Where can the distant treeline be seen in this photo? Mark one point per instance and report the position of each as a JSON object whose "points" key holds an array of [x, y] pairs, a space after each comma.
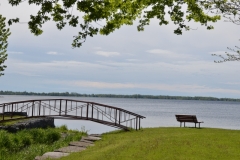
{"points": [[73, 94]]}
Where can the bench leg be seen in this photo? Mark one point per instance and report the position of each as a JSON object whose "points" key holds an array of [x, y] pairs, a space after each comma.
{"points": [[199, 125], [195, 125], [180, 124], [184, 124]]}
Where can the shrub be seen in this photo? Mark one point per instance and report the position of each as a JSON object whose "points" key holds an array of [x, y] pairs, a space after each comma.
{"points": [[63, 128], [5, 141], [27, 144], [38, 135], [52, 136]]}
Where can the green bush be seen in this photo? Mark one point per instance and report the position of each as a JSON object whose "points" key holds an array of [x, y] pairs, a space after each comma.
{"points": [[38, 135], [3, 153], [5, 141], [63, 128], [27, 144], [26, 140], [52, 136]]}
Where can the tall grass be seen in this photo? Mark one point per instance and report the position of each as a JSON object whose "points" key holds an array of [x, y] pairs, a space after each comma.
{"points": [[26, 144]]}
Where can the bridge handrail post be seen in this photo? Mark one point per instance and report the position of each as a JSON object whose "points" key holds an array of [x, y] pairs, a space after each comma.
{"points": [[3, 111], [66, 108], [119, 117], [60, 107], [115, 116], [92, 111], [87, 110], [32, 107], [12, 111], [39, 109]]}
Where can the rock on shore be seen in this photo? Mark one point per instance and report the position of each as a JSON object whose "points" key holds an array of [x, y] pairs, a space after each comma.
{"points": [[42, 122]]}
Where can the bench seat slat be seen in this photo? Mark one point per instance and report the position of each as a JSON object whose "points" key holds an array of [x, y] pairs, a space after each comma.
{"points": [[187, 120]]}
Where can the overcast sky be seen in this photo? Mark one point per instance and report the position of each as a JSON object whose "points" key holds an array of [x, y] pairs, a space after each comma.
{"points": [[155, 61]]}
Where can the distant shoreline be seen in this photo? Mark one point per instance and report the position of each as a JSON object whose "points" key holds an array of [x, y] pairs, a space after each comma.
{"points": [[136, 96]]}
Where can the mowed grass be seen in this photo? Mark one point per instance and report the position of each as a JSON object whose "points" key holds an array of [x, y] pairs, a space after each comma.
{"points": [[164, 144]]}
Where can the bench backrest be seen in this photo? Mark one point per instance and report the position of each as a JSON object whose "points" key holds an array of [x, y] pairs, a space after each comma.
{"points": [[186, 118]]}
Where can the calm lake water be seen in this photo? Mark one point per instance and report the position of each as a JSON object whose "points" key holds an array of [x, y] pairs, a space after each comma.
{"points": [[158, 112]]}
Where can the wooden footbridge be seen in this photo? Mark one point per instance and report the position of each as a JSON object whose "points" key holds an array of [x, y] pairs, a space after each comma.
{"points": [[71, 109]]}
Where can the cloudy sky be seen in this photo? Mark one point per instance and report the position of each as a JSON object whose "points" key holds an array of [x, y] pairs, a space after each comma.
{"points": [[155, 61]]}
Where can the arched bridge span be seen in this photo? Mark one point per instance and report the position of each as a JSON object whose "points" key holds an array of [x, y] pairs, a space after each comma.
{"points": [[72, 109]]}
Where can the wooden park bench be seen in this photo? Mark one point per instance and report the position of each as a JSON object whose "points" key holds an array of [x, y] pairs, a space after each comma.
{"points": [[187, 118]]}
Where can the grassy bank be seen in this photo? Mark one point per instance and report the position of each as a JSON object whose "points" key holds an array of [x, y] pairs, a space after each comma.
{"points": [[11, 122], [165, 143], [27, 144]]}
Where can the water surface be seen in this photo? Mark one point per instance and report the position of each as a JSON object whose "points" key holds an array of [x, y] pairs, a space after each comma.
{"points": [[158, 112]]}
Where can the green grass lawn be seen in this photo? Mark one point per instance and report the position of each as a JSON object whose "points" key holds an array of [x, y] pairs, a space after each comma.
{"points": [[165, 144]]}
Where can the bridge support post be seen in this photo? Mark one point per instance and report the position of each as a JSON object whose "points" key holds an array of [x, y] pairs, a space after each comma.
{"points": [[136, 123], [139, 123]]}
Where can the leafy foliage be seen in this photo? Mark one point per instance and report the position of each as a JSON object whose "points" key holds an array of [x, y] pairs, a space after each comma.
{"points": [[4, 34], [114, 14], [231, 11], [229, 8]]}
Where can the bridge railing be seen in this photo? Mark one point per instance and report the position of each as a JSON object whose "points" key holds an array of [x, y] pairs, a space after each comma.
{"points": [[73, 109]]}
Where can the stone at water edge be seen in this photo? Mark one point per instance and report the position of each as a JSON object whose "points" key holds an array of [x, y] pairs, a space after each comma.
{"points": [[53, 155], [70, 149], [95, 135], [90, 138], [86, 141], [80, 144]]}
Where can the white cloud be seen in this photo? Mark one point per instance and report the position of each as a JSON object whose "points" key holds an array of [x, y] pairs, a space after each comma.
{"points": [[97, 48], [217, 52], [191, 88], [27, 74], [169, 54], [232, 83], [182, 69], [107, 54], [56, 67], [13, 52], [133, 60], [160, 52], [52, 53]]}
